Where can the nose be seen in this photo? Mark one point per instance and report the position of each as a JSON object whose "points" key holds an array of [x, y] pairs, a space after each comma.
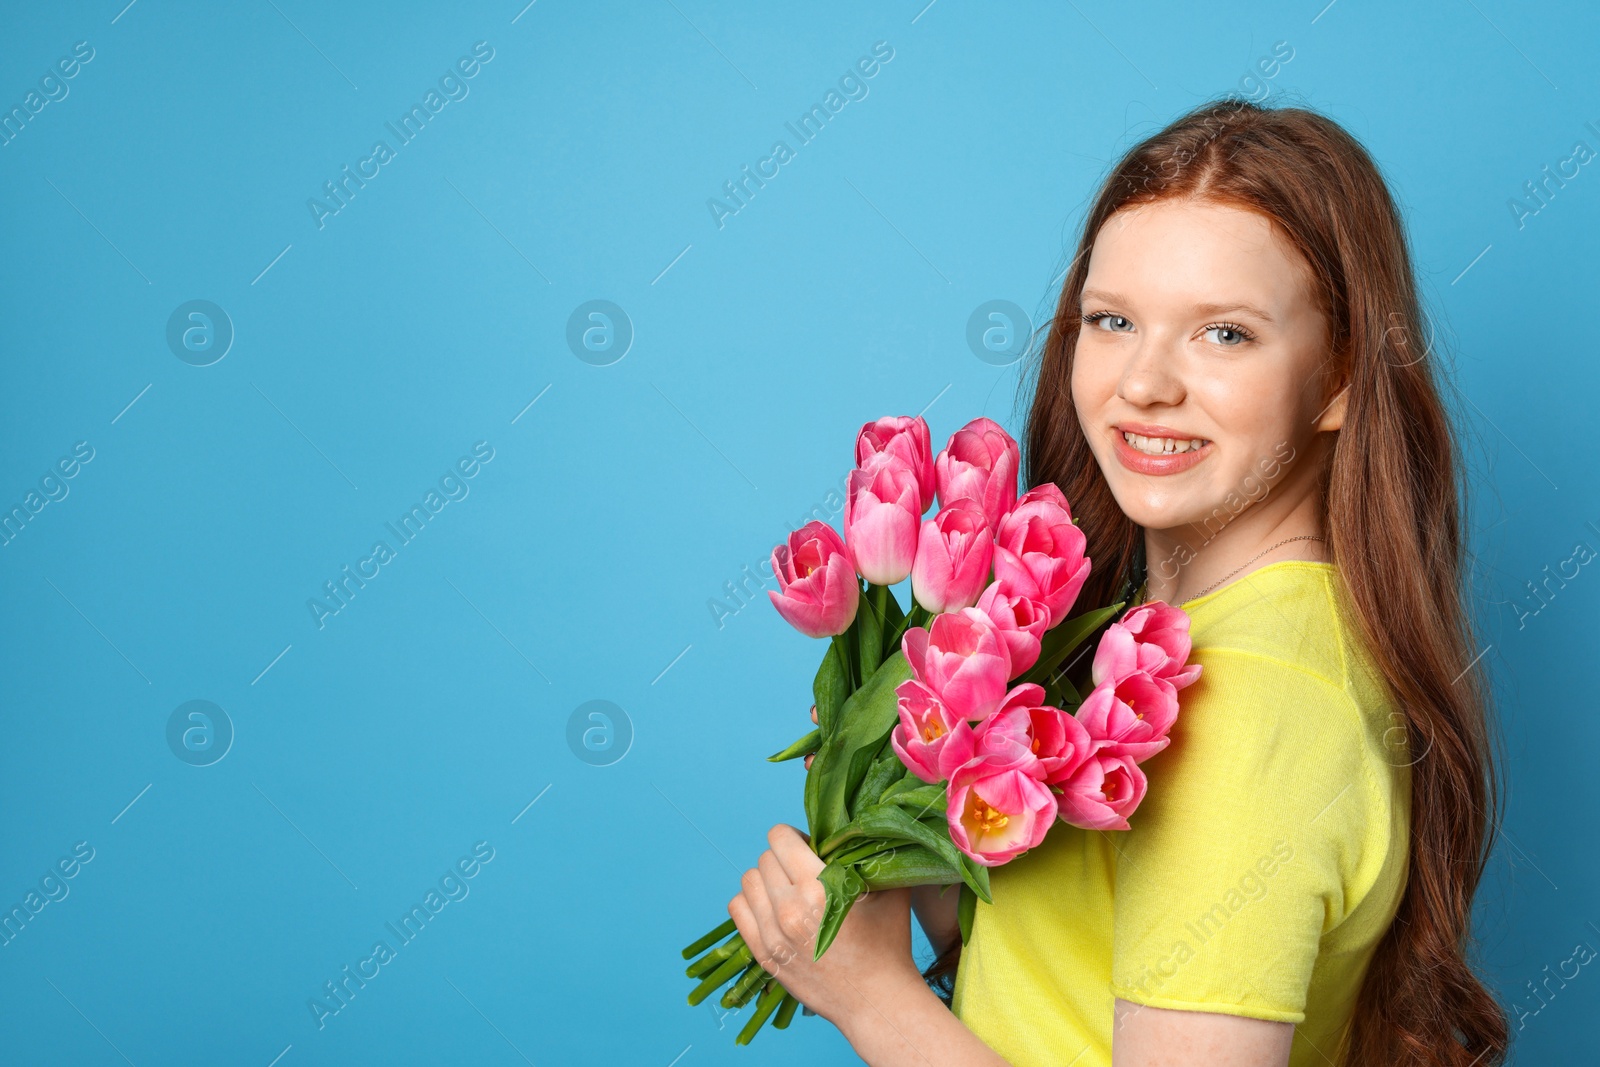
{"points": [[1150, 378]]}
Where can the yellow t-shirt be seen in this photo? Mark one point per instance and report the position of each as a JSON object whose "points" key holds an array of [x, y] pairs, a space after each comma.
{"points": [[1259, 872]]}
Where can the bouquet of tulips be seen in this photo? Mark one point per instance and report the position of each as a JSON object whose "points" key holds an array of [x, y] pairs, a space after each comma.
{"points": [[950, 738]]}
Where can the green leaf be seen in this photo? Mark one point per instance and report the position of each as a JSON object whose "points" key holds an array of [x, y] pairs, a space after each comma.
{"points": [[921, 800], [843, 887], [910, 781], [975, 876], [885, 770], [906, 865], [893, 823], [1060, 692], [860, 762], [831, 687], [859, 850], [1059, 642], [802, 747], [966, 908], [863, 720]]}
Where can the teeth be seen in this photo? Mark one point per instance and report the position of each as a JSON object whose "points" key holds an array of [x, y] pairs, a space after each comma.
{"points": [[1162, 446]]}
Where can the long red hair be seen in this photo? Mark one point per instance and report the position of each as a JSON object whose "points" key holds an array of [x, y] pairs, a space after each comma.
{"points": [[1392, 482]]}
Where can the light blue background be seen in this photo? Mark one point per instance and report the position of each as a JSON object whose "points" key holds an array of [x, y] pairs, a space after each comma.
{"points": [[432, 309]]}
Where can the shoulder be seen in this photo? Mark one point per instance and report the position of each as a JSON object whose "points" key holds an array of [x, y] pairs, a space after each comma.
{"points": [[1271, 816], [1286, 612], [1285, 625], [1287, 735]]}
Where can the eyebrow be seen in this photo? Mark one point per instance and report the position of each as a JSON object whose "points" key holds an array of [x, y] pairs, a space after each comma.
{"points": [[1204, 309]]}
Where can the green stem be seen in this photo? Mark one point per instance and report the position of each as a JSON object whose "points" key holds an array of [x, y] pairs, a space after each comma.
{"points": [[716, 978], [739, 994], [715, 957], [878, 598], [785, 1012], [842, 643], [918, 616], [710, 939], [764, 1007]]}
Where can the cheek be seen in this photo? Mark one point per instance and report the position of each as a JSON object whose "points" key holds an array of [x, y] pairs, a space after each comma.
{"points": [[1246, 408], [1094, 382]]}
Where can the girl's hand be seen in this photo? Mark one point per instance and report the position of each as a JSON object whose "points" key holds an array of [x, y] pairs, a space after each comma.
{"points": [[813, 719], [779, 910]]}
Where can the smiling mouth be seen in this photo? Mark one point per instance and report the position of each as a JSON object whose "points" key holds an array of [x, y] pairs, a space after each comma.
{"points": [[1163, 446]]}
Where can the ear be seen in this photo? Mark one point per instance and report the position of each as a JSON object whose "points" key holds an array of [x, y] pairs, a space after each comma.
{"points": [[1332, 417]]}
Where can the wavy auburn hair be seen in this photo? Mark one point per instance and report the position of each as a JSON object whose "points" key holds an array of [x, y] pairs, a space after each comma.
{"points": [[1392, 482]]}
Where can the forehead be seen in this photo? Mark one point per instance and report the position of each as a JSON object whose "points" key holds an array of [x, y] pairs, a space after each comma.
{"points": [[1187, 252]]}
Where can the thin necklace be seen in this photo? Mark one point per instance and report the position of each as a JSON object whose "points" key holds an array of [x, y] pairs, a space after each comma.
{"points": [[1252, 559]]}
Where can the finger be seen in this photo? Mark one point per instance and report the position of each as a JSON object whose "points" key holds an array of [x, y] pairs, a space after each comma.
{"points": [[795, 915], [775, 880], [808, 762], [792, 850], [743, 918], [813, 713], [760, 903]]}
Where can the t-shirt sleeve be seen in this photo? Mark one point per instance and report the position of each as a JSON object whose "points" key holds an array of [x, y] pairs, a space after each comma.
{"points": [[1242, 853]]}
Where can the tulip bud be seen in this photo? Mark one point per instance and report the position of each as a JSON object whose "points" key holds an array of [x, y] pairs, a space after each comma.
{"points": [[818, 591]]}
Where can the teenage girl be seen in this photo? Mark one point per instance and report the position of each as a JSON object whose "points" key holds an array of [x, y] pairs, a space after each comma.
{"points": [[1236, 398]]}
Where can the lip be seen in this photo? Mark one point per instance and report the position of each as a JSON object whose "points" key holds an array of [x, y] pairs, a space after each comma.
{"points": [[1142, 463], [1155, 429]]}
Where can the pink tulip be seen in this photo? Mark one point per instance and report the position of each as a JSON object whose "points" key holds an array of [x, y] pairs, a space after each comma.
{"points": [[1038, 552], [906, 437], [979, 462], [1153, 638], [954, 551], [880, 518], [925, 729], [962, 659], [1102, 792], [1021, 620], [1131, 716], [997, 813], [818, 591], [1008, 746], [1025, 734]]}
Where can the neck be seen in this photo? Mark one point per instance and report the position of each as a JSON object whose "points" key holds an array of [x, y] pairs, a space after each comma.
{"points": [[1187, 560]]}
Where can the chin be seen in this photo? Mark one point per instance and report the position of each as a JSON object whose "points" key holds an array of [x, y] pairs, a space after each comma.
{"points": [[1156, 507]]}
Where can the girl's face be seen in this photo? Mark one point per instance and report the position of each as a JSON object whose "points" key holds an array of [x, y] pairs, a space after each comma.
{"points": [[1200, 375]]}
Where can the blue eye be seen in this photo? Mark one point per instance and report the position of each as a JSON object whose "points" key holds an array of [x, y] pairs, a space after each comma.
{"points": [[1119, 323], [1236, 335]]}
